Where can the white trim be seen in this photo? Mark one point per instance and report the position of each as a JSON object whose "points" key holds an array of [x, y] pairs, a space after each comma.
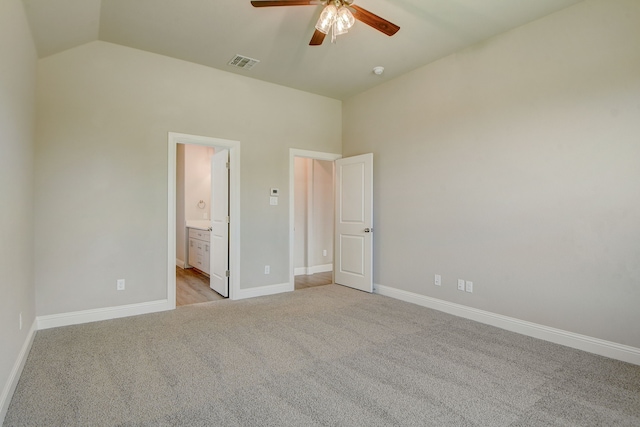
{"points": [[581, 342], [180, 263], [320, 268], [293, 153], [234, 208], [307, 271], [16, 371], [261, 291], [106, 313]]}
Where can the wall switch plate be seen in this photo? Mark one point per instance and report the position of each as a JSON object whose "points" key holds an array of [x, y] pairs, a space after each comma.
{"points": [[469, 286], [437, 280], [120, 285], [20, 317], [267, 269], [460, 285], [324, 252], [273, 201]]}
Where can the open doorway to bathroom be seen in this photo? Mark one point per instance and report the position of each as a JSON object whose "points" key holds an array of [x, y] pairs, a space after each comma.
{"points": [[193, 224], [223, 213]]}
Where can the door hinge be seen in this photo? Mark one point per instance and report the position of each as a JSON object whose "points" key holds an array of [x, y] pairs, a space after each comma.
{"points": [[228, 165], [227, 273], [228, 220]]}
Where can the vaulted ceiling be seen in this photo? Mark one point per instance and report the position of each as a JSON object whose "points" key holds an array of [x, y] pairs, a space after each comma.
{"points": [[211, 32]]}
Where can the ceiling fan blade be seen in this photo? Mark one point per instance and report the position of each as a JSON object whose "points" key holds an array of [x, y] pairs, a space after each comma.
{"points": [[374, 21], [317, 38], [269, 3]]}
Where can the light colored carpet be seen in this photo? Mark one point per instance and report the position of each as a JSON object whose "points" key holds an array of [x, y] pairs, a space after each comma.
{"points": [[321, 356]]}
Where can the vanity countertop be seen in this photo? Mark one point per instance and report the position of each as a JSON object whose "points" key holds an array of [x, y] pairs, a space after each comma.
{"points": [[200, 224]]}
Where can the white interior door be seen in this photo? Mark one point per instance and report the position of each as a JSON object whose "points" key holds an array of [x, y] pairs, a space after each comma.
{"points": [[354, 222], [219, 261]]}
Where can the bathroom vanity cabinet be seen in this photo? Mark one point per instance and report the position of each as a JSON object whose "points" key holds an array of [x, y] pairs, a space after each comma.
{"points": [[199, 249]]}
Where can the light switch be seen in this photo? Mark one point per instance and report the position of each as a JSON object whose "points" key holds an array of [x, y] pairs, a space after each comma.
{"points": [[273, 201]]}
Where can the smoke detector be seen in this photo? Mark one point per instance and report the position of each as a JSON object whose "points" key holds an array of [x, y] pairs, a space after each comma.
{"points": [[378, 70]]}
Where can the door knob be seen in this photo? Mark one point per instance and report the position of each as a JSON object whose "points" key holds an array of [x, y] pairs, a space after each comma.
{"points": [[368, 230]]}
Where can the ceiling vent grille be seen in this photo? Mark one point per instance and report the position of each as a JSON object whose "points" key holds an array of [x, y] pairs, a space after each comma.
{"points": [[243, 62]]}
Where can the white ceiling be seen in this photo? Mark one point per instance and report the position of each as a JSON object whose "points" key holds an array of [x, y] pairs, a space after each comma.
{"points": [[211, 32]]}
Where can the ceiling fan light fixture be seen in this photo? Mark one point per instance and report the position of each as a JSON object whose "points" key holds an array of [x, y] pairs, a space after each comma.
{"points": [[345, 18], [337, 17], [327, 17], [339, 28]]}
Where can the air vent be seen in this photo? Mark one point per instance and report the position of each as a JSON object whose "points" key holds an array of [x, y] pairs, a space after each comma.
{"points": [[243, 62]]}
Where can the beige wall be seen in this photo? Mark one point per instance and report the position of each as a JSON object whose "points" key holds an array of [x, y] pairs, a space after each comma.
{"points": [[197, 183], [17, 121], [323, 213], [101, 168], [515, 164], [300, 187]]}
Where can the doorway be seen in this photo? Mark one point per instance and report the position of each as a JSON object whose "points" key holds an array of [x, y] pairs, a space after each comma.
{"points": [[313, 222], [196, 187], [178, 234], [353, 217], [311, 212]]}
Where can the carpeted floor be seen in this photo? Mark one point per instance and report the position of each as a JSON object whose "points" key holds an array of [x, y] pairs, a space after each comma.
{"points": [[326, 355]]}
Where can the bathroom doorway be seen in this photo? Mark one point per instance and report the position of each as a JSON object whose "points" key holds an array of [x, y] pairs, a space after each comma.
{"points": [[200, 168], [194, 184]]}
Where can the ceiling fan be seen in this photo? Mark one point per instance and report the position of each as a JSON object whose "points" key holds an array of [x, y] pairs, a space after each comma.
{"points": [[337, 16]]}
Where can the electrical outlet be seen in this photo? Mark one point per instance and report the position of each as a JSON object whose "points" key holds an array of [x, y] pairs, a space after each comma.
{"points": [[267, 269], [20, 317], [469, 286], [120, 285], [460, 285], [437, 280]]}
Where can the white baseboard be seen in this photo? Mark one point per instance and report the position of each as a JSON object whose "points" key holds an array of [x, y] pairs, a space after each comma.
{"points": [[97, 314], [14, 375], [262, 291], [320, 268], [180, 263], [581, 342], [305, 271]]}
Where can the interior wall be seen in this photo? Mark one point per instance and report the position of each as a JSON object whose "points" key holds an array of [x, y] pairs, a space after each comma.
{"points": [[300, 212], [17, 123], [514, 164], [197, 181], [323, 204], [101, 168]]}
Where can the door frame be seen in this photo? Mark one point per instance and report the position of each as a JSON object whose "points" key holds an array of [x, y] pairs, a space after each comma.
{"points": [[293, 153], [234, 208]]}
